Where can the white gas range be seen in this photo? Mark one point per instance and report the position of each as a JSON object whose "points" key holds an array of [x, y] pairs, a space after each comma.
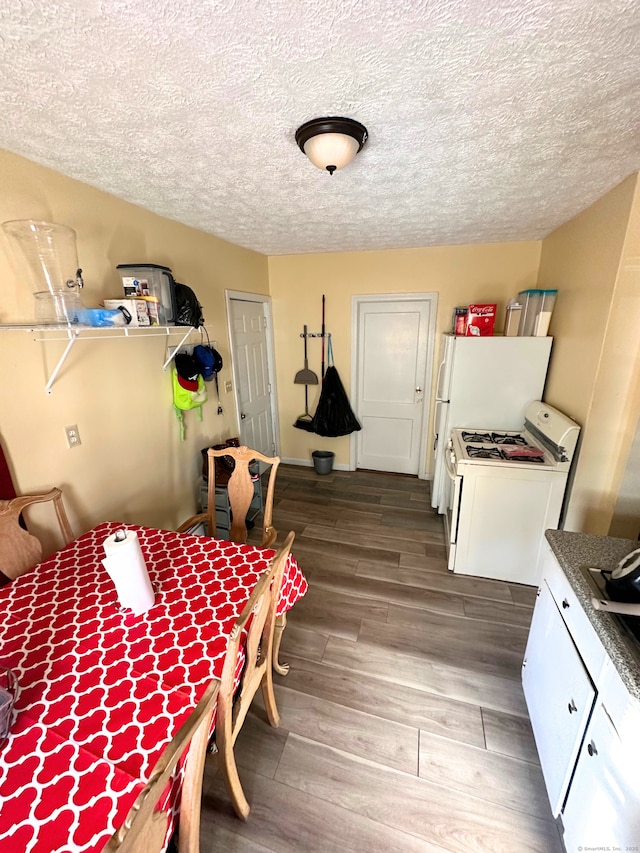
{"points": [[505, 489]]}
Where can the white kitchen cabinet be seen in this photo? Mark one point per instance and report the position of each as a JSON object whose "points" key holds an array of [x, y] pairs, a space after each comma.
{"points": [[585, 719], [602, 810], [559, 695]]}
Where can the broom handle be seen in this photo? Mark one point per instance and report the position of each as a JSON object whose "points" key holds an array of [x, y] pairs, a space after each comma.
{"points": [[323, 335]]}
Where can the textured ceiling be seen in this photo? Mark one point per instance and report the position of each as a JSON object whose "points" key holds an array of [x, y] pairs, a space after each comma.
{"points": [[489, 120]]}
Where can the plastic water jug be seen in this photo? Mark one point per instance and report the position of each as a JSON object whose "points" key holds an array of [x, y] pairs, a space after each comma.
{"points": [[45, 252]]}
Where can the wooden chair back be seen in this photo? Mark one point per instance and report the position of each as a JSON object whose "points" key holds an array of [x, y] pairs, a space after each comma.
{"points": [[254, 627], [240, 489], [20, 551], [144, 828]]}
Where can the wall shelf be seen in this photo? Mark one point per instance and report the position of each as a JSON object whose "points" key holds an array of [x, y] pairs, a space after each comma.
{"points": [[73, 333]]}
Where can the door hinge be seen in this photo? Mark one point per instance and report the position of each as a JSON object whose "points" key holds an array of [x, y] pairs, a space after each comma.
{"points": [[264, 322], [268, 387]]}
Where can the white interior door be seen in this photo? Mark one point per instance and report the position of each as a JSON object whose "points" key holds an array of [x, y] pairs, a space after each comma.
{"points": [[248, 329], [394, 348]]}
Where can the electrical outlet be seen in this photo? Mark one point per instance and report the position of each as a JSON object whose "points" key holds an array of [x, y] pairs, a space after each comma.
{"points": [[73, 436], [228, 386]]}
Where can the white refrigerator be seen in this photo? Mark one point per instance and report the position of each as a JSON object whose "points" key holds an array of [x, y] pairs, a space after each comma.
{"points": [[484, 383]]}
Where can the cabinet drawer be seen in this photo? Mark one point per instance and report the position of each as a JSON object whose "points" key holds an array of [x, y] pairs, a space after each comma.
{"points": [[559, 696], [581, 630]]}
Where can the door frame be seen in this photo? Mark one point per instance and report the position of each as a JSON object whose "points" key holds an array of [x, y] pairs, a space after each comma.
{"points": [[430, 299], [243, 296]]}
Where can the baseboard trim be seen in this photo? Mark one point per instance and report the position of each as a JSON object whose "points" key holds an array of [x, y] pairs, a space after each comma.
{"points": [[306, 463]]}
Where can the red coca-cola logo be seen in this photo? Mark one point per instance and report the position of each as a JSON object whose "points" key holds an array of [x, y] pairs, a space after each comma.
{"points": [[482, 310]]}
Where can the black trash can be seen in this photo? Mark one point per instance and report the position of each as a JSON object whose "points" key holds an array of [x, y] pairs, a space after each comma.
{"points": [[323, 461]]}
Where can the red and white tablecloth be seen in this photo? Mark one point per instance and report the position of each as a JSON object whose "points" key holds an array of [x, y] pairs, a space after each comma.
{"points": [[102, 691]]}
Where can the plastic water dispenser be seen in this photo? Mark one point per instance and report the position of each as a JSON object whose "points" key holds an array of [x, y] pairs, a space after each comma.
{"points": [[46, 259]]}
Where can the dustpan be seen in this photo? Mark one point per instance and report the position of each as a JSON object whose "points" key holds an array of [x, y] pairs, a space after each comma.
{"points": [[305, 376]]}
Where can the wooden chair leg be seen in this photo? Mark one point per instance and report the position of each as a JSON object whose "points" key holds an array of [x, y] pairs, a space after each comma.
{"points": [[227, 759], [281, 624], [269, 698]]}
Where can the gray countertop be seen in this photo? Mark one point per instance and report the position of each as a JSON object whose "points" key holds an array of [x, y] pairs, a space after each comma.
{"points": [[576, 553]]}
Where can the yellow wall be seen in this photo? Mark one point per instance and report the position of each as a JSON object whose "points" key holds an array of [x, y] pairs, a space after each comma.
{"points": [[459, 274], [594, 261], [131, 465]]}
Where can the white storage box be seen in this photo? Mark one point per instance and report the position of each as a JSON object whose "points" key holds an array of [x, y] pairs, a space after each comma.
{"points": [[136, 307]]}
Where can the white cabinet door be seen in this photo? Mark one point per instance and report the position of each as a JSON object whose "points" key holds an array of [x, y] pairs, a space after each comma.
{"points": [[559, 696], [603, 807]]}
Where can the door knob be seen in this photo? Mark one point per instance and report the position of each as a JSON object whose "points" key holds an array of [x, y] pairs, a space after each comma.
{"points": [[591, 749], [572, 707], [418, 390], [242, 416]]}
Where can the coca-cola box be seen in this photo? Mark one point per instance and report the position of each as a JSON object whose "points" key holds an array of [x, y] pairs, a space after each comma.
{"points": [[480, 320]]}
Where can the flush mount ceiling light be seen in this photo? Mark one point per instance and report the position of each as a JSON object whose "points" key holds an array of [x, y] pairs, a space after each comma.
{"points": [[331, 143]]}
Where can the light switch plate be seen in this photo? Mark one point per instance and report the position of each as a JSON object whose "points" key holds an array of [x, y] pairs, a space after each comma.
{"points": [[227, 386]]}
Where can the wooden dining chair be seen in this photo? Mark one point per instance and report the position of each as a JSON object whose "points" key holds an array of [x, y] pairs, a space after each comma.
{"points": [[145, 828], [20, 551], [240, 489], [255, 628]]}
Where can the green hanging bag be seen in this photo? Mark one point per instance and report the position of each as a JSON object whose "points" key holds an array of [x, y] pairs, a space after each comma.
{"points": [[185, 399]]}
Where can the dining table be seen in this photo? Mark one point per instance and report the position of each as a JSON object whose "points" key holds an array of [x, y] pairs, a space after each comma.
{"points": [[103, 691]]}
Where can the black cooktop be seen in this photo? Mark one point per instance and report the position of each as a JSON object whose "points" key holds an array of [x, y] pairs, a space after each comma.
{"points": [[629, 625]]}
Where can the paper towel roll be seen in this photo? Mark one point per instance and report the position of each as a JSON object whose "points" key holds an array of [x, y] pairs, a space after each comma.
{"points": [[126, 567]]}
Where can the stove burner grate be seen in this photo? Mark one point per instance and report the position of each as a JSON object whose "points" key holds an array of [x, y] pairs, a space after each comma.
{"points": [[478, 437], [502, 438], [483, 452]]}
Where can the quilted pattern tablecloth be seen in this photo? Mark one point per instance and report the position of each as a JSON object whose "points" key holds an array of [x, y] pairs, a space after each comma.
{"points": [[103, 691]]}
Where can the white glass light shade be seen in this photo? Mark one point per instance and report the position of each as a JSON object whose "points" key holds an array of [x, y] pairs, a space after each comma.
{"points": [[331, 149]]}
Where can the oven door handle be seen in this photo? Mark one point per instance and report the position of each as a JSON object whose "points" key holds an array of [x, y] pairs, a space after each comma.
{"points": [[453, 510], [448, 464]]}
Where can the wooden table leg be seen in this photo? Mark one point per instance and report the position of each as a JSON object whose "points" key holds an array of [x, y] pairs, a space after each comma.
{"points": [[281, 624]]}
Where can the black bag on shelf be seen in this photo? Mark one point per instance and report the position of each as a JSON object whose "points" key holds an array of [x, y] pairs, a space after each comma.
{"points": [[188, 309]]}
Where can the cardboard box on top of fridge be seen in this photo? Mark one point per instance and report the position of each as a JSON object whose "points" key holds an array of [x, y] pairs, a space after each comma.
{"points": [[481, 319]]}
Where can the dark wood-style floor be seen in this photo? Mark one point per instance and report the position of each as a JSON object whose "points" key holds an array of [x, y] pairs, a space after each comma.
{"points": [[403, 724]]}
